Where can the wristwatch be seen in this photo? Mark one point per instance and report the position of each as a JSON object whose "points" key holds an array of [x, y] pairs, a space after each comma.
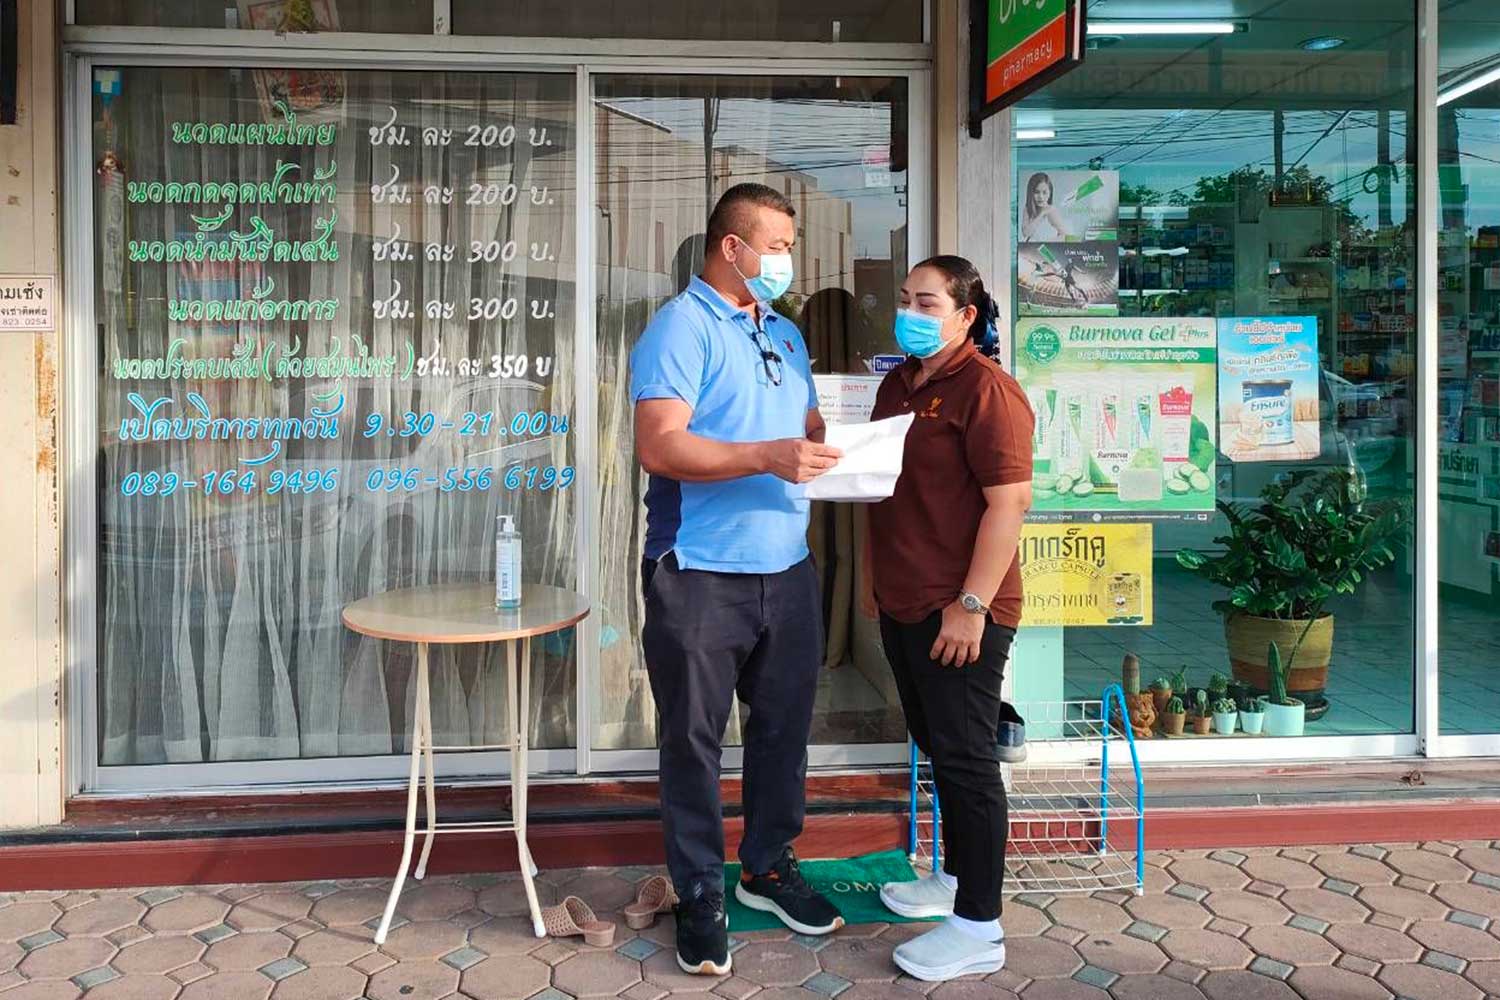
{"points": [[972, 604]]}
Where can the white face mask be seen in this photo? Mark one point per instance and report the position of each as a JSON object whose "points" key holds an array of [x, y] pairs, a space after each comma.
{"points": [[775, 275]]}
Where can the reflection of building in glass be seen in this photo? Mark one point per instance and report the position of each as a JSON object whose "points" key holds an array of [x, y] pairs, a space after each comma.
{"points": [[652, 200]]}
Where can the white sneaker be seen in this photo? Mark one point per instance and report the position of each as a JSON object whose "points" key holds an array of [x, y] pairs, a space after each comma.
{"points": [[926, 897], [945, 952]]}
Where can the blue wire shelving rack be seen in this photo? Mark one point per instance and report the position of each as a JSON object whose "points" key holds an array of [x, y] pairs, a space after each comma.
{"points": [[1074, 826]]}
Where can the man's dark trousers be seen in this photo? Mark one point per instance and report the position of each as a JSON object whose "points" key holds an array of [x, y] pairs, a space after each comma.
{"points": [[709, 637]]}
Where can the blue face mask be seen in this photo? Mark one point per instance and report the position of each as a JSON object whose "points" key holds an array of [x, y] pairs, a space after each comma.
{"points": [[775, 275], [919, 334]]}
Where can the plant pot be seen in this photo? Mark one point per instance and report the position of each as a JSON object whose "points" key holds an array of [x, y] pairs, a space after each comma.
{"points": [[1172, 724], [1285, 720], [1247, 638], [1251, 722], [1201, 724], [1224, 723], [1160, 699]]}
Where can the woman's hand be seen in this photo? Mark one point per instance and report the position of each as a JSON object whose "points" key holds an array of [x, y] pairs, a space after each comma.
{"points": [[958, 643]]}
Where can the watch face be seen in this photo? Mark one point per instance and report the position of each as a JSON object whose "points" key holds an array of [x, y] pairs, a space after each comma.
{"points": [[972, 603]]}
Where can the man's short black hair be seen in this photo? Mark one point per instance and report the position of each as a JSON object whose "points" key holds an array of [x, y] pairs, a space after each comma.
{"points": [[734, 214]]}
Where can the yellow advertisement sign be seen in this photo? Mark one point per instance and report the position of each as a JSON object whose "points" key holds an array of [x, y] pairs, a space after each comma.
{"points": [[1086, 574]]}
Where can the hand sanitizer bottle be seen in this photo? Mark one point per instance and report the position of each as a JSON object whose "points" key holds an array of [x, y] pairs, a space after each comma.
{"points": [[507, 563]]}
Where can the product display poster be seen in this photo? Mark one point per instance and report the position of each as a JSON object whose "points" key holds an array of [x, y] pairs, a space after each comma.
{"points": [[1268, 388], [1067, 250], [1086, 574], [1125, 414], [1067, 206], [1068, 279]]}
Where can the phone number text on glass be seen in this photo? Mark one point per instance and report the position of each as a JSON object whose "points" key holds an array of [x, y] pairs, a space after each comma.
{"points": [[227, 482], [465, 480]]}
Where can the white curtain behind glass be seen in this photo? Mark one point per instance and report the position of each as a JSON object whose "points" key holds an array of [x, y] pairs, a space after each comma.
{"points": [[667, 148], [219, 633]]}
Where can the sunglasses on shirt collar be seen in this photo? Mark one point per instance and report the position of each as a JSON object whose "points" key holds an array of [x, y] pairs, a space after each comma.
{"points": [[770, 361]]}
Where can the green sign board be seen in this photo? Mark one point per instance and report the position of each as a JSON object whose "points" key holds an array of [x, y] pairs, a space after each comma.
{"points": [[1018, 46]]}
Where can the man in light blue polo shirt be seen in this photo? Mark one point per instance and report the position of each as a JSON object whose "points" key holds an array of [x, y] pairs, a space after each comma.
{"points": [[727, 425]]}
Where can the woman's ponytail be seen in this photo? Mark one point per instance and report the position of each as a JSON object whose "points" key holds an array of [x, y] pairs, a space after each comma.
{"points": [[985, 331]]}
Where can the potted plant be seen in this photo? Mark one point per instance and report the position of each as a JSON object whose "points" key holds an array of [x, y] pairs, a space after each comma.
{"points": [[1284, 714], [1218, 686], [1201, 716], [1313, 535], [1173, 718], [1224, 716], [1161, 693], [1252, 715], [1180, 685]]}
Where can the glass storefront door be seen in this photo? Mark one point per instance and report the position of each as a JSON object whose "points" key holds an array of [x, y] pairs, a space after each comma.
{"points": [[1468, 146], [667, 148], [1249, 192]]}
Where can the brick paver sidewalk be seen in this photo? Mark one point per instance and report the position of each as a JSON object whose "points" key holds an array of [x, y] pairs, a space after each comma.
{"points": [[1403, 920]]}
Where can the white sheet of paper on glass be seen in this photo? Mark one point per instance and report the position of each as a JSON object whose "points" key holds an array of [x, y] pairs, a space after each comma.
{"points": [[871, 464]]}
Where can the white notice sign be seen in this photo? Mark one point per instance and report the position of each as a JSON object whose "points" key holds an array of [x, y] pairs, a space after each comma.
{"points": [[846, 399], [27, 302]]}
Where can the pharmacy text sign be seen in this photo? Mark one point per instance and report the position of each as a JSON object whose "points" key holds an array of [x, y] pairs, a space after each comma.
{"points": [[1018, 46]]}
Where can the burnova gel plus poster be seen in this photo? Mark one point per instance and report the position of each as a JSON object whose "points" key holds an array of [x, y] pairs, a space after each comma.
{"points": [[1125, 413]]}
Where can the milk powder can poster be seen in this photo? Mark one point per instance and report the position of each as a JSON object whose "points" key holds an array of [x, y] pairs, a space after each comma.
{"points": [[1125, 414], [1268, 388]]}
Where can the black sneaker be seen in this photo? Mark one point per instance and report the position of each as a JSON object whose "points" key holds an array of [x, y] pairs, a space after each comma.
{"points": [[703, 935], [783, 891]]}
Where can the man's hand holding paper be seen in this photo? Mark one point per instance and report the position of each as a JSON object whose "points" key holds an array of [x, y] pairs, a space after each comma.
{"points": [[871, 464]]}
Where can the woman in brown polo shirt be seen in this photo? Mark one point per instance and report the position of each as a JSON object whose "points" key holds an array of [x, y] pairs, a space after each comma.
{"points": [[948, 588]]}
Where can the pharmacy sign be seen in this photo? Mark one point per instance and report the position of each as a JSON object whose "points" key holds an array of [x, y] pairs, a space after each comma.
{"points": [[1018, 46]]}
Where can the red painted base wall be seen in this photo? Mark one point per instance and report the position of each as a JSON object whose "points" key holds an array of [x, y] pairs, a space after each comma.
{"points": [[295, 857]]}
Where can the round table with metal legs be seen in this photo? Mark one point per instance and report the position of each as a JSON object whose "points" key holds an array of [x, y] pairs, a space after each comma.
{"points": [[452, 614]]}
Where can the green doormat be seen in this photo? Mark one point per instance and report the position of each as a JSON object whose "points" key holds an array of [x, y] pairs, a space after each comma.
{"points": [[852, 884]]}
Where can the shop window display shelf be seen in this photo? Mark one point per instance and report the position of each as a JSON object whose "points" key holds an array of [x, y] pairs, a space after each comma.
{"points": [[1074, 827]]}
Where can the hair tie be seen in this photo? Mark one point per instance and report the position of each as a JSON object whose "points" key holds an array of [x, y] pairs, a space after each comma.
{"points": [[991, 339]]}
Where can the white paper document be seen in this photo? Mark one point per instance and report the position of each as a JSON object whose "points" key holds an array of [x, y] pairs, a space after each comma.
{"points": [[871, 464]]}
